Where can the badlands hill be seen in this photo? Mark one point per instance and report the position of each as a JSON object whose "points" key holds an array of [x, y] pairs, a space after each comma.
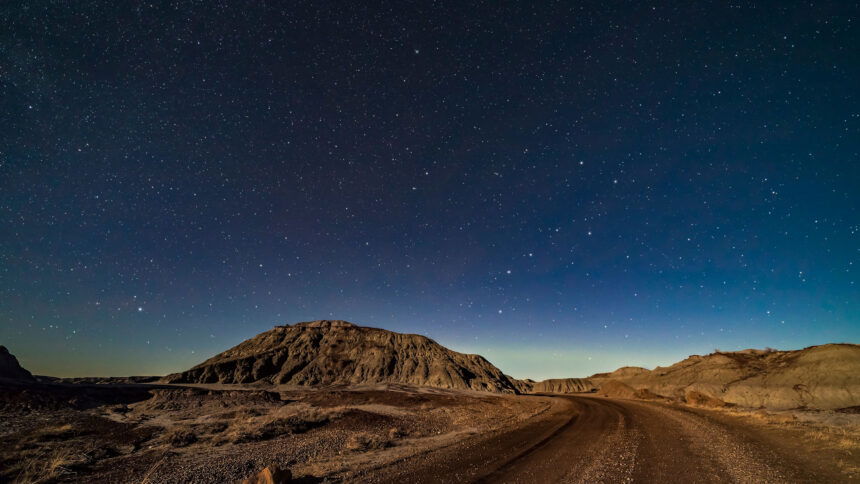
{"points": [[10, 368], [556, 385], [818, 377], [338, 352]]}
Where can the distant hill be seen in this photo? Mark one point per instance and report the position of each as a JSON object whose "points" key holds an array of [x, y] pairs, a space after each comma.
{"points": [[556, 385], [339, 352], [10, 368], [818, 377]]}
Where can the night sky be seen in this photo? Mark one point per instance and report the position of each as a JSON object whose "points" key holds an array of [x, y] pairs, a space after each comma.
{"points": [[562, 187]]}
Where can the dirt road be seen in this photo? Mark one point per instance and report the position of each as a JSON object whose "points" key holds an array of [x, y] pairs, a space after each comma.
{"points": [[592, 439]]}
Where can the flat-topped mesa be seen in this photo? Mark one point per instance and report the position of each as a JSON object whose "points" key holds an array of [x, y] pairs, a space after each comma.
{"points": [[341, 353]]}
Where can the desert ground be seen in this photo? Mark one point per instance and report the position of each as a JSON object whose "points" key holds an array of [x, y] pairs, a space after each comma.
{"points": [[84, 432], [328, 401]]}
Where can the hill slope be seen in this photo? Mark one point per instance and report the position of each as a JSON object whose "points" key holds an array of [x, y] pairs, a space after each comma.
{"points": [[819, 377], [338, 352]]}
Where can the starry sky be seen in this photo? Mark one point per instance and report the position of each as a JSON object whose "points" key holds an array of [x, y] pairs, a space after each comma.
{"points": [[562, 187]]}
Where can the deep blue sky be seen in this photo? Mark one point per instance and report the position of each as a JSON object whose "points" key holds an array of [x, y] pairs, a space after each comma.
{"points": [[563, 187]]}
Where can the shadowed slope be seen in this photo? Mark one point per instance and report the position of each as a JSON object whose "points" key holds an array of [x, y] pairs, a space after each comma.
{"points": [[9, 367]]}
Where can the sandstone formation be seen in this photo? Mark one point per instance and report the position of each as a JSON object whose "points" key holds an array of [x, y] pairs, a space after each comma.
{"points": [[9, 367], [819, 377], [341, 353]]}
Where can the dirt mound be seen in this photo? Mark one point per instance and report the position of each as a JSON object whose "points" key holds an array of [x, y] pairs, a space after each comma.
{"points": [[9, 367], [556, 385], [701, 400], [819, 377], [616, 389], [341, 353]]}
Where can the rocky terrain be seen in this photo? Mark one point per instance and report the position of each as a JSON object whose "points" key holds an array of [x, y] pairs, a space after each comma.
{"points": [[61, 432], [341, 353], [823, 377]]}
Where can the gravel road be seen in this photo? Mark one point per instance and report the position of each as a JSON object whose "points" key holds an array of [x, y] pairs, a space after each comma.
{"points": [[592, 439]]}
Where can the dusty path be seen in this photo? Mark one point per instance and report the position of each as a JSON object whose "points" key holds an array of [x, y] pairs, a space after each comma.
{"points": [[588, 439]]}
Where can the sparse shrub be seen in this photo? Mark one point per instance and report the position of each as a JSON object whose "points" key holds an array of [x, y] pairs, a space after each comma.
{"points": [[395, 433], [365, 441], [181, 438], [281, 426], [211, 427], [56, 432], [46, 467], [293, 424]]}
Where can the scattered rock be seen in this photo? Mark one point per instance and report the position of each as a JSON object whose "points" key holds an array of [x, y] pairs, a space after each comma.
{"points": [[365, 441]]}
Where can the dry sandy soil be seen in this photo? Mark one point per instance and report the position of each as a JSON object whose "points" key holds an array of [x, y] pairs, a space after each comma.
{"points": [[217, 433], [222, 433]]}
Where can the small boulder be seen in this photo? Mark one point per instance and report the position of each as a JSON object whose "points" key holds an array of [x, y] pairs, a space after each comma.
{"points": [[270, 475]]}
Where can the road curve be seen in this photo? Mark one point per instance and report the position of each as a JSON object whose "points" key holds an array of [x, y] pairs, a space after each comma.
{"points": [[592, 439]]}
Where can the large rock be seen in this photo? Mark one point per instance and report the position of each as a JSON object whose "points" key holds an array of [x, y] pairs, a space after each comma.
{"points": [[9, 367], [338, 352], [819, 377], [270, 475]]}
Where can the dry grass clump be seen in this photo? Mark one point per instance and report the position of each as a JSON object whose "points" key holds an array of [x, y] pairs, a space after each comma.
{"points": [[55, 432], [365, 441], [825, 428], [763, 416], [49, 465], [283, 421], [181, 438], [211, 427]]}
